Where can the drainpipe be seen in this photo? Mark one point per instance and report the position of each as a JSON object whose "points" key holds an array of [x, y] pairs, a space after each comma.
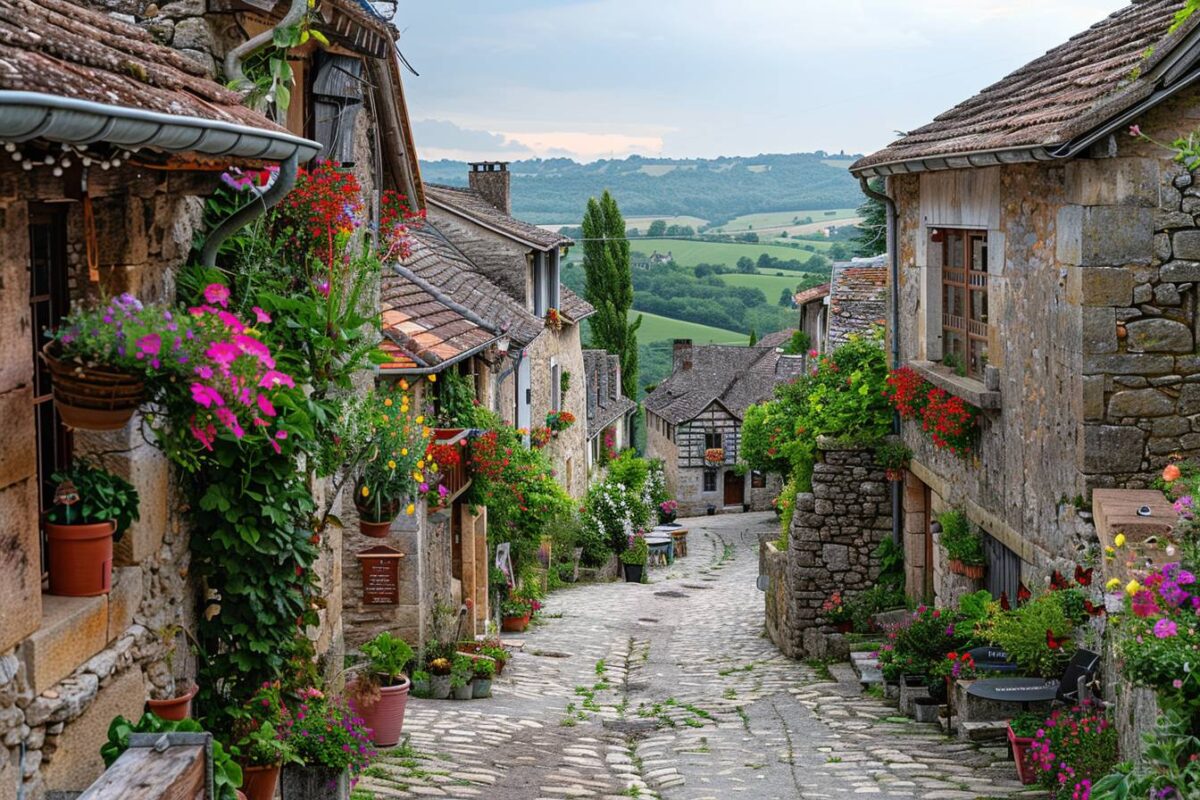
{"points": [[282, 184], [894, 259], [234, 75]]}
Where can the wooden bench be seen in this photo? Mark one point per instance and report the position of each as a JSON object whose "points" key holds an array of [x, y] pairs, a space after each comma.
{"points": [[158, 766]]}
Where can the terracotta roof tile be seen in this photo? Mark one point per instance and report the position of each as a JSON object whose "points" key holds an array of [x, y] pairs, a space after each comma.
{"points": [[809, 295], [1071, 90], [65, 49]]}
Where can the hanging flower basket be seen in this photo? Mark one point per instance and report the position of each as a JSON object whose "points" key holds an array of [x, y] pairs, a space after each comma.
{"points": [[554, 320], [714, 457], [89, 397]]}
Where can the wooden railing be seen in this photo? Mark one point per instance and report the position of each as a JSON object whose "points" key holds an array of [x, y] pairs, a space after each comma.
{"points": [[457, 477]]}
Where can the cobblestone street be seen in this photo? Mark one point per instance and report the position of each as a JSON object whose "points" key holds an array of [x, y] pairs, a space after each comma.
{"points": [[670, 690]]}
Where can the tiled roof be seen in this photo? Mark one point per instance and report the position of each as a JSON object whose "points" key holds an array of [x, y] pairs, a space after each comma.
{"points": [[605, 403], [469, 203], [1072, 90], [574, 307], [65, 49], [858, 297], [737, 377], [809, 295], [437, 263], [776, 339]]}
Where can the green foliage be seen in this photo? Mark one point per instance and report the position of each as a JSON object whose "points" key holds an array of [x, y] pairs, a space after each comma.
{"points": [[455, 400], [638, 551], [226, 772], [880, 597], [621, 505], [799, 344], [893, 455], [871, 236], [1073, 748], [961, 540], [1168, 767], [387, 656], [608, 286], [919, 644], [484, 669], [102, 497], [1022, 633]]}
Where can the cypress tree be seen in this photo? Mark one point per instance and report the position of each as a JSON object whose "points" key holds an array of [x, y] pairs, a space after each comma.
{"points": [[608, 286]]}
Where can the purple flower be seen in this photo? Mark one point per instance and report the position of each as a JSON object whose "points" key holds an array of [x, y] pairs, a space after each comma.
{"points": [[1165, 629], [217, 293]]}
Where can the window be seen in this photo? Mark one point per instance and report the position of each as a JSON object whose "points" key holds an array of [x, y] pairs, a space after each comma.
{"points": [[49, 302], [555, 386], [710, 480], [964, 300], [758, 480], [553, 287], [712, 440], [539, 284]]}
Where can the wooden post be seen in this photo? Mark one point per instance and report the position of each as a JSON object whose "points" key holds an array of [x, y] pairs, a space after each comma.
{"points": [[171, 766]]}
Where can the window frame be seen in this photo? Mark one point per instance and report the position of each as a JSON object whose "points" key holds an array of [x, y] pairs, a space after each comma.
{"points": [[969, 281], [710, 436], [710, 476]]}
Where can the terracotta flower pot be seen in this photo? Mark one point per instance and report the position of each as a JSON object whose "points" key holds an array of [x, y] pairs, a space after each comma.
{"points": [[515, 624], [1026, 770], [176, 708], [92, 398], [385, 717], [376, 530], [972, 571], [259, 782], [80, 558]]}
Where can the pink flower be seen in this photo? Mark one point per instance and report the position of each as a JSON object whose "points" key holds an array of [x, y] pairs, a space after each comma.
{"points": [[231, 321], [1135, 130], [1177, 683], [222, 352], [252, 346], [203, 371], [217, 293], [273, 378], [281, 435], [230, 421], [265, 405], [261, 315], [322, 288], [1165, 629], [150, 344], [206, 396]]}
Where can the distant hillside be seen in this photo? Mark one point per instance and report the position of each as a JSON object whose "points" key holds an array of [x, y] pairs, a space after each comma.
{"points": [[556, 190]]}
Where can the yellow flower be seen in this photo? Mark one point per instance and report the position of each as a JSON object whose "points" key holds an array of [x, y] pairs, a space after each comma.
{"points": [[433, 378], [426, 433], [1119, 540], [418, 477], [388, 402], [403, 451], [1109, 552], [433, 467], [366, 492], [1133, 587], [1113, 584], [410, 509], [421, 464], [420, 419], [404, 384], [391, 464]]}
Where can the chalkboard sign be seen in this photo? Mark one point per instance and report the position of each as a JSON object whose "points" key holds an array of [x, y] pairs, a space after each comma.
{"points": [[380, 575], [991, 659]]}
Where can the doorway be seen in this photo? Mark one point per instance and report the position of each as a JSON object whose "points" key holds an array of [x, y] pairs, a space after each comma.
{"points": [[735, 488]]}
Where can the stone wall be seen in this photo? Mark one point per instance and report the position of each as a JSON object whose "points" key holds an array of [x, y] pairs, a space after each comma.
{"points": [[565, 349], [773, 563], [835, 531]]}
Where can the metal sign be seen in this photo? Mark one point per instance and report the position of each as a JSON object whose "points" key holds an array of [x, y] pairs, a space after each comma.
{"points": [[380, 575]]}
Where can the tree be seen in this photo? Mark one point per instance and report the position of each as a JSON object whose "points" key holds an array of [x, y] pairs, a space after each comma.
{"points": [[746, 265], [753, 337], [871, 238], [838, 252], [657, 228], [785, 297], [608, 286]]}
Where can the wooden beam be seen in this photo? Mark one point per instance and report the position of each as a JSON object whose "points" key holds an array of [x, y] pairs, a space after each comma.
{"points": [[141, 773]]}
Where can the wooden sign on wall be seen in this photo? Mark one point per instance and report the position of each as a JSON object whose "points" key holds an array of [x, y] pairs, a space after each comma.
{"points": [[380, 567]]}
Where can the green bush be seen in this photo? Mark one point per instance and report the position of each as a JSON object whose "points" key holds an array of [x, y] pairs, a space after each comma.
{"points": [[1023, 633], [960, 539]]}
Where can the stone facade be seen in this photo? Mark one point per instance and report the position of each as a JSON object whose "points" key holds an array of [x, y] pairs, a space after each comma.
{"points": [[1092, 268], [835, 532]]}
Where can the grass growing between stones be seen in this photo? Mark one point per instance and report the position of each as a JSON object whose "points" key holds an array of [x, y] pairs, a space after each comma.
{"points": [[821, 668]]}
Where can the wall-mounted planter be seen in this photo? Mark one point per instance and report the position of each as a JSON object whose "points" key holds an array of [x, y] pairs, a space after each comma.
{"points": [[91, 398], [972, 571]]}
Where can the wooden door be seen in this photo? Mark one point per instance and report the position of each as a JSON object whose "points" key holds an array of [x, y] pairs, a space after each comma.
{"points": [[735, 488]]}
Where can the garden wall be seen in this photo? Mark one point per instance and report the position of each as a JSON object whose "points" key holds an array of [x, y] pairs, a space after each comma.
{"points": [[835, 532]]}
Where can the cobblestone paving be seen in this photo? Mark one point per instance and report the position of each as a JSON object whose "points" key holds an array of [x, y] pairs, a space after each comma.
{"points": [[671, 690]]}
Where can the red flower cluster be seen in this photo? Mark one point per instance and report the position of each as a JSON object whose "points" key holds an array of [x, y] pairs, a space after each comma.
{"points": [[396, 218], [446, 456], [488, 458], [949, 421], [325, 204], [906, 391], [539, 437]]}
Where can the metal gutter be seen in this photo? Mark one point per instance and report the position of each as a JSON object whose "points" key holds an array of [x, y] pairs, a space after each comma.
{"points": [[258, 205], [894, 259], [35, 115]]}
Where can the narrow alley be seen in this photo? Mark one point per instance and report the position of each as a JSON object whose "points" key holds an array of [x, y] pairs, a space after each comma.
{"points": [[669, 689]]}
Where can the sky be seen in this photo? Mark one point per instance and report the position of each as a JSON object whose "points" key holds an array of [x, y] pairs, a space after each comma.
{"points": [[590, 79]]}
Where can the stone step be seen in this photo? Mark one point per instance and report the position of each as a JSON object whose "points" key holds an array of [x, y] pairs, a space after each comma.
{"points": [[982, 731], [867, 667]]}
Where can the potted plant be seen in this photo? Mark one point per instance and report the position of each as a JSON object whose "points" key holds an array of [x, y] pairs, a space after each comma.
{"points": [[331, 746], [420, 683], [558, 421], [379, 692], [461, 671], [515, 614], [1021, 731], [634, 558], [227, 775], [393, 469], [963, 545], [484, 670], [668, 511], [439, 678], [98, 361], [499, 655], [260, 748], [838, 614], [714, 457], [179, 705], [894, 457], [92, 509], [376, 512]]}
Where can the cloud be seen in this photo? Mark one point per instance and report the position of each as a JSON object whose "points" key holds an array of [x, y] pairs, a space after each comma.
{"points": [[436, 135]]}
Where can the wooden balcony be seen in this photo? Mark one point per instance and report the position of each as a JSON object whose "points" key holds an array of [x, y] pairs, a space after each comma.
{"points": [[458, 477]]}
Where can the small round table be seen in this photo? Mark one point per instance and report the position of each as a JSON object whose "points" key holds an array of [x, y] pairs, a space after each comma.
{"points": [[662, 550]]}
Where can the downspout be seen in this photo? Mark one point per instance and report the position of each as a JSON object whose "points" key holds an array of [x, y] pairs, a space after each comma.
{"points": [[282, 184], [234, 75], [894, 259]]}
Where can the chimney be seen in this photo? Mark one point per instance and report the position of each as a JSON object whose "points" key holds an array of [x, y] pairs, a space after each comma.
{"points": [[682, 355], [491, 179]]}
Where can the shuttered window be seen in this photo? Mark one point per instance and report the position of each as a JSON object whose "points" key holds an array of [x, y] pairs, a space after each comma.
{"points": [[964, 300]]}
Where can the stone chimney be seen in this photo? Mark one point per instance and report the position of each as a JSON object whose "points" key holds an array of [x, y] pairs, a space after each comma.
{"points": [[683, 355], [491, 179]]}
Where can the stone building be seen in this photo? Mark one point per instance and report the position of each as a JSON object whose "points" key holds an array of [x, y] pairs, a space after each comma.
{"points": [[118, 216], [813, 305], [699, 408], [857, 299], [1047, 272], [523, 262], [609, 411]]}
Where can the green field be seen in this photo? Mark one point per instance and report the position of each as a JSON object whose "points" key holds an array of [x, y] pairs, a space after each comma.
{"points": [[768, 282], [771, 224], [689, 253], [655, 328]]}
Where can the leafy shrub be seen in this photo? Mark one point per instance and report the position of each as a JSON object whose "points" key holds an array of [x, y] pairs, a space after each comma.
{"points": [[918, 644], [1073, 749], [960, 539], [1023, 633]]}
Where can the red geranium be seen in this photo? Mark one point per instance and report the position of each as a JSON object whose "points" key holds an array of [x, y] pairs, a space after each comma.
{"points": [[906, 391]]}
